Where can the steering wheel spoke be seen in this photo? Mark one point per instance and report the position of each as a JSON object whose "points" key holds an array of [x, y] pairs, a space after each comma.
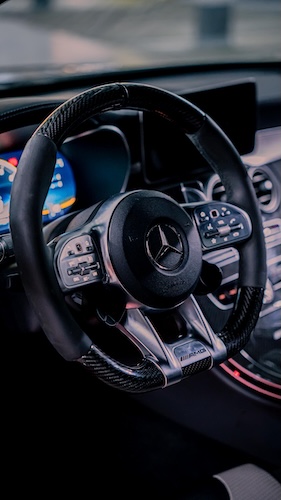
{"points": [[178, 359], [139, 329], [201, 329]]}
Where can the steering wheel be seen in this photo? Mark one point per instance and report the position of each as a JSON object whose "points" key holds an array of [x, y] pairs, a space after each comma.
{"points": [[138, 254]]}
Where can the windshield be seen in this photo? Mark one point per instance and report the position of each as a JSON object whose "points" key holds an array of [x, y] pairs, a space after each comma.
{"points": [[101, 34]]}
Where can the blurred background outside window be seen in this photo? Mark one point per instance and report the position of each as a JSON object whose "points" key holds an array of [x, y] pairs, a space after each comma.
{"points": [[137, 33]]}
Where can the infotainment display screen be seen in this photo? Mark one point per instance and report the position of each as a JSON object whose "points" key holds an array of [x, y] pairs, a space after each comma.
{"points": [[167, 152]]}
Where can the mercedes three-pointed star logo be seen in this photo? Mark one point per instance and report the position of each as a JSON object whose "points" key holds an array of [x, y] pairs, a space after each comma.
{"points": [[164, 246]]}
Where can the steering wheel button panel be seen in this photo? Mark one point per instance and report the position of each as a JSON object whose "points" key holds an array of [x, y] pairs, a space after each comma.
{"points": [[223, 224], [78, 262]]}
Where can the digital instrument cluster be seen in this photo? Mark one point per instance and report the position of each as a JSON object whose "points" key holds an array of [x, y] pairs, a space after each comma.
{"points": [[61, 195]]}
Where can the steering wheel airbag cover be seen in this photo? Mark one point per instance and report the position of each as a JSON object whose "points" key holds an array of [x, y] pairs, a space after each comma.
{"points": [[155, 249]]}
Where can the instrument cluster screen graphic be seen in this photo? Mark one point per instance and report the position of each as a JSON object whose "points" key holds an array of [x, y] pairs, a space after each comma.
{"points": [[61, 195]]}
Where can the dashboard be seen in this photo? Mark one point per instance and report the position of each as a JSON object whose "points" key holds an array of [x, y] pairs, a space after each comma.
{"points": [[124, 150]]}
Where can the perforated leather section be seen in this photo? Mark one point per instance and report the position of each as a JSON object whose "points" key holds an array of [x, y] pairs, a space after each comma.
{"points": [[118, 96]]}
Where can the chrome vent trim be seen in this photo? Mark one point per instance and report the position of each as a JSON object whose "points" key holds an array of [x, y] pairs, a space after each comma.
{"points": [[215, 189], [266, 188]]}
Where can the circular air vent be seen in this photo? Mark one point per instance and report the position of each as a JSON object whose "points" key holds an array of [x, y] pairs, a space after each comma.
{"points": [[265, 184], [266, 188]]}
